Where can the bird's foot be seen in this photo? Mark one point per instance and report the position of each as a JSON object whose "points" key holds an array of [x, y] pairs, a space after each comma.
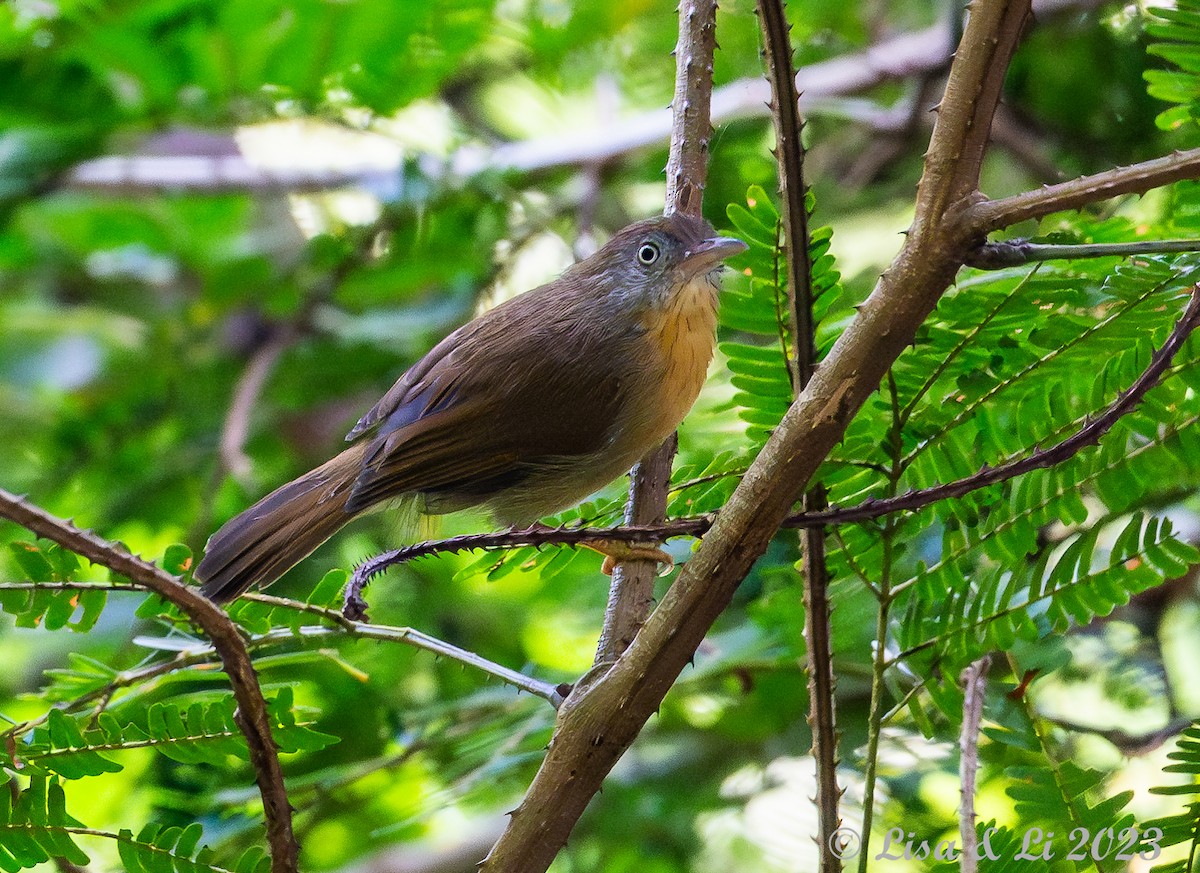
{"points": [[618, 551]]}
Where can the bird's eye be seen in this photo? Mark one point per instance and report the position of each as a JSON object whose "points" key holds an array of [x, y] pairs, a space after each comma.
{"points": [[648, 253]]}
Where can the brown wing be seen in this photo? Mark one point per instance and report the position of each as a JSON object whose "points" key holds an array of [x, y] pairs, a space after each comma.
{"points": [[533, 381]]}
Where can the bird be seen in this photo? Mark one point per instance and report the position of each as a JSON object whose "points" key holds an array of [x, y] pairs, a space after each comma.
{"points": [[525, 410]]}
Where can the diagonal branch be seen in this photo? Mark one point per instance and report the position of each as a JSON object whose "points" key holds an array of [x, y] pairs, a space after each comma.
{"points": [[252, 715]]}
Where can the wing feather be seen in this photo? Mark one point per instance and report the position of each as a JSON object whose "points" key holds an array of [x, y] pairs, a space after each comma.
{"points": [[494, 401]]}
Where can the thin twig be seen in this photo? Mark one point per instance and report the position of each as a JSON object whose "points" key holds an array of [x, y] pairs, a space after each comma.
{"points": [[245, 398], [1128, 744], [407, 635], [1089, 434], [893, 446], [974, 682], [252, 717], [1016, 252]]}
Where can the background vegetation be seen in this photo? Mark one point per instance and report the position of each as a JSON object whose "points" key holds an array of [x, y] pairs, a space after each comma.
{"points": [[346, 184]]}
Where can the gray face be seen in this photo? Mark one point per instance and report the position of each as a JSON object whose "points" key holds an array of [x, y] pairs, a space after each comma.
{"points": [[648, 261]]}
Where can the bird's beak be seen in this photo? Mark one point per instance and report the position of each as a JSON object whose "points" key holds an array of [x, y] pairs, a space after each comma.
{"points": [[706, 255]]}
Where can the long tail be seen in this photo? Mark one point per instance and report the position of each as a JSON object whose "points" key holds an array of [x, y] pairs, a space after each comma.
{"points": [[272, 536]]}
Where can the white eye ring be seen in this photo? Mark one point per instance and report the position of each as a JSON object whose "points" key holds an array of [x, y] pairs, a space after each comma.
{"points": [[648, 253]]}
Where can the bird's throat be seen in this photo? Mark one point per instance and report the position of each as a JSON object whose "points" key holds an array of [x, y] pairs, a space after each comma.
{"points": [[684, 332]]}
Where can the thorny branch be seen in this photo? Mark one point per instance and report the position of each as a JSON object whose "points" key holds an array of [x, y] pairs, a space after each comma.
{"points": [[988, 215], [631, 594], [252, 716]]}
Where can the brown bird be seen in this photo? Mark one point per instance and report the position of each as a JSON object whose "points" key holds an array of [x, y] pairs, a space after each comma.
{"points": [[526, 410]]}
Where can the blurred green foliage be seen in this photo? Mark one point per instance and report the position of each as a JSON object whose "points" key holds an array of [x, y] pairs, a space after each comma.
{"points": [[129, 318]]}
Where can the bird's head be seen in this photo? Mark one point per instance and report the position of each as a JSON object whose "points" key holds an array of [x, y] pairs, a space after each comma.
{"points": [[649, 261]]}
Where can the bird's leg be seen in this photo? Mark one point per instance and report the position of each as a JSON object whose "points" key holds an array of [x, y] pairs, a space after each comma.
{"points": [[619, 551]]}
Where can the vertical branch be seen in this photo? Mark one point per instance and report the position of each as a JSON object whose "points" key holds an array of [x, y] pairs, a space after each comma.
{"points": [[789, 155], [691, 129], [974, 681], [632, 592], [879, 662]]}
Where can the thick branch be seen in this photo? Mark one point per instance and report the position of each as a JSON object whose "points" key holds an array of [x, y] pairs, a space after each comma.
{"points": [[252, 715]]}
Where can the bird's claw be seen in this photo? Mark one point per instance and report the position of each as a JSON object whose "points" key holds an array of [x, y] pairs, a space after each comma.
{"points": [[618, 552]]}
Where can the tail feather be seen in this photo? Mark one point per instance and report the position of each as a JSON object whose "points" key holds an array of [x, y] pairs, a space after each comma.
{"points": [[262, 543]]}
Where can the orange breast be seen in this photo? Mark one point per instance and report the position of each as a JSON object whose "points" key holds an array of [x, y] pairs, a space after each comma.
{"points": [[683, 334]]}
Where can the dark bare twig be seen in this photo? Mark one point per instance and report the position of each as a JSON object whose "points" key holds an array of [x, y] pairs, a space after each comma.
{"points": [[1017, 252], [252, 717], [1129, 744]]}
